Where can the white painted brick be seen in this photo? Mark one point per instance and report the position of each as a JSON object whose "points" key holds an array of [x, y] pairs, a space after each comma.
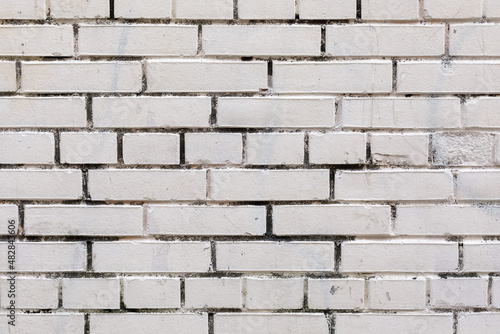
{"points": [[394, 323], [369, 256], [473, 323], [495, 292], [30, 293], [274, 294], [323, 77], [462, 149], [9, 213], [151, 112], [22, 9], [326, 9], [152, 9], [8, 76], [401, 113], [259, 185], [481, 256], [69, 9], [474, 40], [213, 292], [45, 323], [91, 293], [27, 148], [396, 185], [337, 148], [137, 40], [95, 220], [491, 9], [81, 76], [255, 256], [385, 40], [478, 185], [482, 113], [265, 10], [205, 76], [151, 148], [129, 323], [275, 148], [40, 184], [400, 149], [204, 9], [151, 292], [335, 294], [267, 323], [396, 294], [459, 292], [151, 257], [43, 41], [150, 185], [262, 40], [457, 9], [206, 220], [34, 112], [275, 112], [89, 148], [214, 148], [457, 77], [331, 220], [47, 256], [390, 10], [448, 220]]}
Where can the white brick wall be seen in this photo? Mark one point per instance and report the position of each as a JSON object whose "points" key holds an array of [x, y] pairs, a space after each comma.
{"points": [[36, 41]]}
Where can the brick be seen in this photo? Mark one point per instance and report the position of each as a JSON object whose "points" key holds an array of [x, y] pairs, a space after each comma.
{"points": [[267, 323], [45, 323], [153, 9], [459, 292], [149, 185], [274, 294], [392, 10], [81, 76], [322, 77], [43, 41], [27, 148], [151, 148], [204, 9], [396, 294], [260, 185], [395, 185], [128, 323], [264, 10], [462, 149], [91, 293], [459, 9], [137, 40], [206, 220], [47, 256], [457, 77], [151, 292], [399, 149], [481, 113], [335, 294], [448, 220], [326, 9], [50, 112], [401, 113], [275, 149], [337, 148], [495, 292], [205, 76], [478, 185], [423, 256], [213, 148], [474, 40], [275, 112], [35, 184], [385, 40], [481, 256], [30, 293], [472, 323], [255, 256], [151, 257], [89, 148], [213, 292], [394, 323], [8, 81], [151, 112], [9, 213], [95, 220], [491, 9], [331, 220], [68, 9], [22, 9], [273, 40]]}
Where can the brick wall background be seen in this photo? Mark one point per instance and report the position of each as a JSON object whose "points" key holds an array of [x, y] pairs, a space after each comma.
{"points": [[250, 166]]}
